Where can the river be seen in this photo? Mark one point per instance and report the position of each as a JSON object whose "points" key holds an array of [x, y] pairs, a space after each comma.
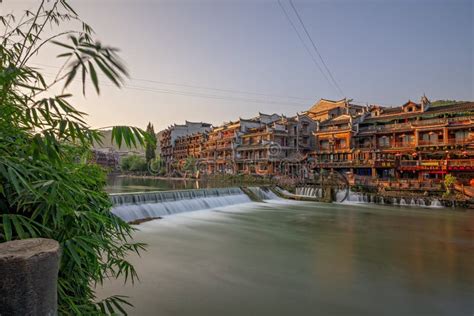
{"points": [[301, 258]]}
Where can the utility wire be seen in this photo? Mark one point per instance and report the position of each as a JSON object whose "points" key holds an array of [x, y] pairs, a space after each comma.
{"points": [[207, 88], [316, 49], [201, 94], [304, 44], [195, 94]]}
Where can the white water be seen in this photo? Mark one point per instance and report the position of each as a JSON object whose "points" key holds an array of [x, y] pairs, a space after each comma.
{"points": [[264, 193], [308, 191], [355, 198], [436, 203], [141, 205]]}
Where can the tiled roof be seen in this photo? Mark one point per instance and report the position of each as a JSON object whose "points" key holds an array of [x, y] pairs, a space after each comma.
{"points": [[395, 112], [469, 106], [326, 105], [341, 119]]}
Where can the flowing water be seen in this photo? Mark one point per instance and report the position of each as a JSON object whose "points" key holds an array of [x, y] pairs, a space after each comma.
{"points": [[303, 258], [142, 205]]}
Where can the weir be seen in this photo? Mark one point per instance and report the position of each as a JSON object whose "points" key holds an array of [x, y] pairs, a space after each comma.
{"points": [[264, 193], [351, 197], [142, 205], [357, 197]]}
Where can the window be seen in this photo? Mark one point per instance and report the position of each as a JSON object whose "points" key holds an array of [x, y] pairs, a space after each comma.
{"points": [[324, 144], [305, 128], [384, 141], [461, 135], [342, 143]]}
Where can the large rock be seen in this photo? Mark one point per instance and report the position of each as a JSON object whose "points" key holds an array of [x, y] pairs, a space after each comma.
{"points": [[28, 277]]}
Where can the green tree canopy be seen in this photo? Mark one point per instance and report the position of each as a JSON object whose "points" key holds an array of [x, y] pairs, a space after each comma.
{"points": [[150, 143]]}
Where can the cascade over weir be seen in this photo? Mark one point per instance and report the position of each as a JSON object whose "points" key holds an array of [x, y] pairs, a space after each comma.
{"points": [[147, 205]]}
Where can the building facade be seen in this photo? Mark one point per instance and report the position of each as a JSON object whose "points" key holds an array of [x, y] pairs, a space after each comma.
{"points": [[174, 133], [414, 141]]}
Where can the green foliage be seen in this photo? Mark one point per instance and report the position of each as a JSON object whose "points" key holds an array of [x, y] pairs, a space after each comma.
{"points": [[190, 165], [46, 187], [133, 163], [150, 143], [449, 181], [157, 166]]}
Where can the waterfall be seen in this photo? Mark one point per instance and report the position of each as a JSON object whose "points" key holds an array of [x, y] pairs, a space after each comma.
{"points": [[264, 193], [341, 194], [141, 205], [436, 203], [309, 191]]}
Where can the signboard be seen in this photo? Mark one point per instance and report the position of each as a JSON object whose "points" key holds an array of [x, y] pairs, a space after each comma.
{"points": [[430, 164]]}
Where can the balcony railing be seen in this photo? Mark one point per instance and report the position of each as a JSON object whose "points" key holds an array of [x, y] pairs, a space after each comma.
{"points": [[461, 163], [409, 163], [440, 121], [335, 147], [451, 141], [385, 128], [430, 143], [334, 128], [397, 145], [466, 141]]}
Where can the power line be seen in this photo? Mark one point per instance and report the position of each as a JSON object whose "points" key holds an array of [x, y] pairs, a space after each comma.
{"points": [[207, 88], [196, 94], [315, 48], [304, 44], [199, 94]]}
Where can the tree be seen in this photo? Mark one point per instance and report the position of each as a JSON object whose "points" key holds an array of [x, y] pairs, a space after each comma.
{"points": [[133, 163], [449, 181], [157, 166], [47, 188], [150, 144], [190, 165]]}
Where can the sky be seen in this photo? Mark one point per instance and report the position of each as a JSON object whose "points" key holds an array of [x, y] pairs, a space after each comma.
{"points": [[216, 61]]}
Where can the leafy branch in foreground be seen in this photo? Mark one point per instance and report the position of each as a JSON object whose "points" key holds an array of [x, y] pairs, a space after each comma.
{"points": [[46, 187]]}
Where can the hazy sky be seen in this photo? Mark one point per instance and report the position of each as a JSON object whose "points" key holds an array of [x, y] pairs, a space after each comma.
{"points": [[379, 51]]}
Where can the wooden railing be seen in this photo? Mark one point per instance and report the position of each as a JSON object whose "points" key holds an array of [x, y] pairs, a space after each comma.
{"points": [[451, 141], [384, 128], [461, 163]]}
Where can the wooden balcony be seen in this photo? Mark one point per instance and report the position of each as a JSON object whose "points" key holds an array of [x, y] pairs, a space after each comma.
{"points": [[333, 148], [460, 164], [430, 143], [449, 142], [385, 128]]}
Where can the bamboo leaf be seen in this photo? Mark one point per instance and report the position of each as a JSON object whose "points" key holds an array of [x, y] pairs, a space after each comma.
{"points": [[7, 228], [94, 78]]}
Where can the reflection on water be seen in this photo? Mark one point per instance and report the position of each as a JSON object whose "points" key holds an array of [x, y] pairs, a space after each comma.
{"points": [[305, 259], [119, 184]]}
